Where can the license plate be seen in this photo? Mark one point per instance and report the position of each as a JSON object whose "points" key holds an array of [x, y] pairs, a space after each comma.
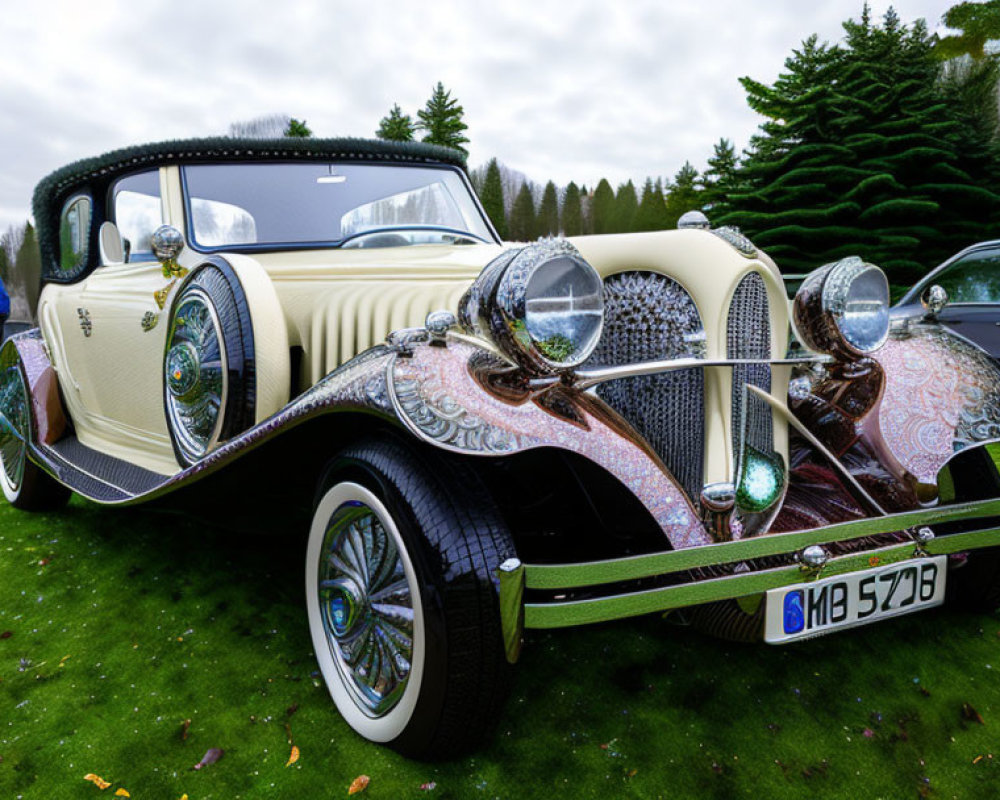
{"points": [[845, 601]]}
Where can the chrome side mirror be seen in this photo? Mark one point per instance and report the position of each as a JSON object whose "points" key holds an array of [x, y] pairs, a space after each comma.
{"points": [[933, 299], [167, 243]]}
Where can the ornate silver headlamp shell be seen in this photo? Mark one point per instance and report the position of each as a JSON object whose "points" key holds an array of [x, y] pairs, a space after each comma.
{"points": [[843, 308], [543, 306]]}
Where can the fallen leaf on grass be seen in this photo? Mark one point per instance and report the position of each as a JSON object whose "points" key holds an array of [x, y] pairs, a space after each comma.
{"points": [[291, 709], [359, 784], [6, 635], [977, 759], [97, 780], [122, 793], [293, 757], [184, 729], [969, 713], [63, 660], [212, 755]]}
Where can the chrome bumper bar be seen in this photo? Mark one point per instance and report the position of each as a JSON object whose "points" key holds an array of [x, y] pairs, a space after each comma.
{"points": [[515, 577]]}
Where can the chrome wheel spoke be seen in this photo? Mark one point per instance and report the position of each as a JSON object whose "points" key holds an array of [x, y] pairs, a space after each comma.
{"points": [[367, 607], [398, 590], [196, 374], [13, 420]]}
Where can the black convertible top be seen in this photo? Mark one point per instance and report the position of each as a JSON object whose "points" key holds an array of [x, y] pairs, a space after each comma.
{"points": [[97, 172]]}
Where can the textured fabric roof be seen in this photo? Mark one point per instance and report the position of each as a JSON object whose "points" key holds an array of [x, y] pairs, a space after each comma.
{"points": [[52, 191]]}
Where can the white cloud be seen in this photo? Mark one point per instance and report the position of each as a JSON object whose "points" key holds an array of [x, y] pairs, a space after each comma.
{"points": [[563, 91]]}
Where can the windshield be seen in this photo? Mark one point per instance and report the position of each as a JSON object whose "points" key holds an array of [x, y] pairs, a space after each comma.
{"points": [[234, 205]]}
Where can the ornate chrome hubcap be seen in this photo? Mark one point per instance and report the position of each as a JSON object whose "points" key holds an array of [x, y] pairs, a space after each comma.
{"points": [[13, 419], [366, 606], [195, 374]]}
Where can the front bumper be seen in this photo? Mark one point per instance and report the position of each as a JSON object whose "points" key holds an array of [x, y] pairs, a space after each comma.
{"points": [[980, 521]]}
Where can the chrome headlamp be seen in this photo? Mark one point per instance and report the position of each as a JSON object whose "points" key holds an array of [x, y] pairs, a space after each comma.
{"points": [[843, 309], [543, 306]]}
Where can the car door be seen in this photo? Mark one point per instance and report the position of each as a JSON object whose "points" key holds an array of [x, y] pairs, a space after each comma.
{"points": [[112, 341], [972, 281]]}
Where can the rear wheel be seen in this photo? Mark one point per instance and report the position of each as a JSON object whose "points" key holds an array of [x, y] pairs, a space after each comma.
{"points": [[403, 609], [23, 483]]}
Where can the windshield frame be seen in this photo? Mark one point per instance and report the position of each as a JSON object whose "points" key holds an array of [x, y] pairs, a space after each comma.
{"points": [[328, 244]]}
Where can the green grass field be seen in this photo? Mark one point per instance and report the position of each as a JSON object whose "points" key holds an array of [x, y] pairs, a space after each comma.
{"points": [[117, 626]]}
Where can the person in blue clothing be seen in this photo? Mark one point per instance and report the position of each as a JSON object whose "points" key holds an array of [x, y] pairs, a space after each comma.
{"points": [[4, 307]]}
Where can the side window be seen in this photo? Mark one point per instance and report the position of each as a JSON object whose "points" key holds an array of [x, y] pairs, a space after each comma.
{"points": [[74, 235], [973, 279], [136, 204]]}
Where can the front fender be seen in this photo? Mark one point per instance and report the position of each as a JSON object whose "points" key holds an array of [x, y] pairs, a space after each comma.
{"points": [[442, 396], [896, 418]]}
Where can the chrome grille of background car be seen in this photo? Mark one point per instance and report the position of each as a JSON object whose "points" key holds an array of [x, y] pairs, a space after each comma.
{"points": [[650, 316], [748, 335]]}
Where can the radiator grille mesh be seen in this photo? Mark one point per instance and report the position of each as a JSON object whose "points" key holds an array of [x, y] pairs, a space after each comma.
{"points": [[650, 316], [748, 335]]}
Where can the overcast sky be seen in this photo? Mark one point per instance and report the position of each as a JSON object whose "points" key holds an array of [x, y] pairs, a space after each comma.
{"points": [[562, 90]]}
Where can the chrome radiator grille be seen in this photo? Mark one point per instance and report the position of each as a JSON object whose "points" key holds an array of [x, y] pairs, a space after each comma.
{"points": [[649, 316], [748, 335]]}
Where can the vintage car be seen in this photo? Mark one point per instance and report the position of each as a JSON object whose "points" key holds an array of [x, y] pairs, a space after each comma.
{"points": [[963, 294], [480, 438]]}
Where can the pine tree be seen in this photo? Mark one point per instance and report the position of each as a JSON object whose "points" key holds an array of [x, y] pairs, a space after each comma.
{"points": [[395, 126], [652, 212], [979, 23], [491, 196], [297, 129], [27, 274], [626, 205], [547, 223], [571, 220], [719, 180], [522, 216], [862, 154], [441, 118], [602, 208], [683, 195]]}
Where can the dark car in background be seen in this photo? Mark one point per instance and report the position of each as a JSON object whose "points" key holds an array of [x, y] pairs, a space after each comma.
{"points": [[971, 279], [4, 308]]}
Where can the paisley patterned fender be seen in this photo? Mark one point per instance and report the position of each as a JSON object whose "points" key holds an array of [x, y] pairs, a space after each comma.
{"points": [[445, 396], [48, 415], [896, 417], [942, 395]]}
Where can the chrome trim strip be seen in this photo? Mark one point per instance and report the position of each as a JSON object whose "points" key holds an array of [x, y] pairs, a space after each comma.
{"points": [[566, 576], [585, 378]]}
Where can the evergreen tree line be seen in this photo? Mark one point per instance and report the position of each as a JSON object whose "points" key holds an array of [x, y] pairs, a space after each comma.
{"points": [[886, 145], [522, 210]]}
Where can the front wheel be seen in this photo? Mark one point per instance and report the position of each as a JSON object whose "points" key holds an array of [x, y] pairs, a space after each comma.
{"points": [[402, 604]]}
